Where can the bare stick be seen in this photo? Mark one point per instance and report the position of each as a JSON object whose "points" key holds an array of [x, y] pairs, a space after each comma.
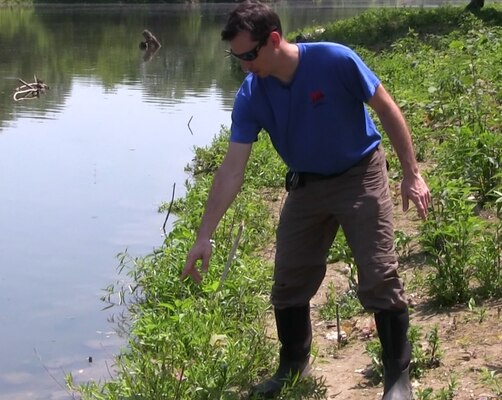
{"points": [[169, 210], [106, 363], [190, 129], [231, 255], [108, 370], [52, 376], [338, 330], [178, 386], [27, 84]]}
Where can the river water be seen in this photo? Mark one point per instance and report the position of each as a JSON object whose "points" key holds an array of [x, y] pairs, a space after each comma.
{"points": [[84, 168]]}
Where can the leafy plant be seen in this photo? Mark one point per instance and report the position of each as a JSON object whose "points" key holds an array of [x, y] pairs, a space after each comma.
{"points": [[447, 236], [310, 388], [481, 152], [492, 378], [488, 264], [422, 358], [402, 243], [347, 304], [443, 393]]}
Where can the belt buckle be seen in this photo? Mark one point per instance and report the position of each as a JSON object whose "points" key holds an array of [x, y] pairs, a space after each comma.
{"points": [[292, 180]]}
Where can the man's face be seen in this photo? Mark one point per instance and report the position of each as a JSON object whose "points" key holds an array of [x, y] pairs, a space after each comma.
{"points": [[252, 55]]}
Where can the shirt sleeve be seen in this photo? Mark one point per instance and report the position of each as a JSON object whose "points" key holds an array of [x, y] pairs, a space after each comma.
{"points": [[359, 79], [245, 127]]}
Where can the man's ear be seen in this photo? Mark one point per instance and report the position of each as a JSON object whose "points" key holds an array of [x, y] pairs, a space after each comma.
{"points": [[275, 38]]}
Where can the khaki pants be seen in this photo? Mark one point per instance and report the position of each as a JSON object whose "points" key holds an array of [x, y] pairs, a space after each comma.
{"points": [[359, 202]]}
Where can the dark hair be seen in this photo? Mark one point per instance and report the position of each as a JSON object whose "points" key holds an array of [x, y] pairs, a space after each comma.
{"points": [[252, 16]]}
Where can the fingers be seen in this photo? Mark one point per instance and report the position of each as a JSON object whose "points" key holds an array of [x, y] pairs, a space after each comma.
{"points": [[200, 251], [205, 265], [419, 194], [426, 200], [404, 198], [421, 203], [191, 270], [421, 208]]}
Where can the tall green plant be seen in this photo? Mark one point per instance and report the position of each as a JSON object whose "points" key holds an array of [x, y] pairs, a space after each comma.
{"points": [[488, 263], [448, 238], [475, 157]]}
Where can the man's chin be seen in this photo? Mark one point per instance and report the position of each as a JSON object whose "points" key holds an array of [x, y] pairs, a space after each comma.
{"points": [[258, 74]]}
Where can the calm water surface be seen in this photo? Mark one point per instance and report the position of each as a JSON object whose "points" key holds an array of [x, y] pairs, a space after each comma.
{"points": [[84, 168]]}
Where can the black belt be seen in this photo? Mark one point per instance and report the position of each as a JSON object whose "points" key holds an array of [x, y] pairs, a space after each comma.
{"points": [[311, 177], [295, 179]]}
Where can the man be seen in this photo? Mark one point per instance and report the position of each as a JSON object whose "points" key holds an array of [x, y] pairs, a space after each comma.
{"points": [[310, 99]]}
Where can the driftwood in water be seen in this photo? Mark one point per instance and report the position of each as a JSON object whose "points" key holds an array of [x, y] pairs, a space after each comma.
{"points": [[29, 91], [150, 39], [151, 45]]}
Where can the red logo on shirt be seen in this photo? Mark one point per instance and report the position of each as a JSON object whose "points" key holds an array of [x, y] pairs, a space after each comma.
{"points": [[316, 96]]}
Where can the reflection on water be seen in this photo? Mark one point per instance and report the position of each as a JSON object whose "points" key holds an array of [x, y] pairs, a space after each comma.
{"points": [[84, 168], [76, 190]]}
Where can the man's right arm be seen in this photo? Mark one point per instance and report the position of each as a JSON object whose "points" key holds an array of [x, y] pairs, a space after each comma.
{"points": [[227, 183]]}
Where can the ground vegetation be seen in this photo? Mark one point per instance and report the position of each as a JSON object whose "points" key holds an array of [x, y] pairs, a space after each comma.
{"points": [[214, 340]]}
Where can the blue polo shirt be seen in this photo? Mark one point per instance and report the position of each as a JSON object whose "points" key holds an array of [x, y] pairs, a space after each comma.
{"points": [[318, 122]]}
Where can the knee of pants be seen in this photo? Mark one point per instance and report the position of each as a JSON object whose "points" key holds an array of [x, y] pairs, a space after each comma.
{"points": [[381, 288], [291, 290]]}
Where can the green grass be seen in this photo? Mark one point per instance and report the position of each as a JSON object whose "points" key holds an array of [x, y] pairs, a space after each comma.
{"points": [[209, 342]]}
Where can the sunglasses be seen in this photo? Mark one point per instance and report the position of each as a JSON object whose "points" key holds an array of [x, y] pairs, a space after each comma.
{"points": [[252, 54]]}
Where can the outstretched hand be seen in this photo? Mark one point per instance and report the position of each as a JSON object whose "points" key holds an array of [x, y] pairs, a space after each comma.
{"points": [[201, 250], [416, 190]]}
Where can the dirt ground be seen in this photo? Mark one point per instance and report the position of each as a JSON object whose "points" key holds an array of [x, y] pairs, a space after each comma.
{"points": [[471, 340]]}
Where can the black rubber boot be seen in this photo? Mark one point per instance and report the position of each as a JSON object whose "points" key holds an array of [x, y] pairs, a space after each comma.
{"points": [[295, 334], [392, 329]]}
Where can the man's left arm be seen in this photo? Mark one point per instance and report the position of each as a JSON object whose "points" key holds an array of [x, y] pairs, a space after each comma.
{"points": [[413, 186]]}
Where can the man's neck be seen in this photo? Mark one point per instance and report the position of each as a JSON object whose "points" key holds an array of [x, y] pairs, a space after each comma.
{"points": [[288, 59]]}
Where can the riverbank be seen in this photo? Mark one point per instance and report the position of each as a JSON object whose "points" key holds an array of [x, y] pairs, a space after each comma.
{"points": [[212, 342]]}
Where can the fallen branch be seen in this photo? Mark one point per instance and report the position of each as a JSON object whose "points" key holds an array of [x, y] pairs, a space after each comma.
{"points": [[29, 91]]}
